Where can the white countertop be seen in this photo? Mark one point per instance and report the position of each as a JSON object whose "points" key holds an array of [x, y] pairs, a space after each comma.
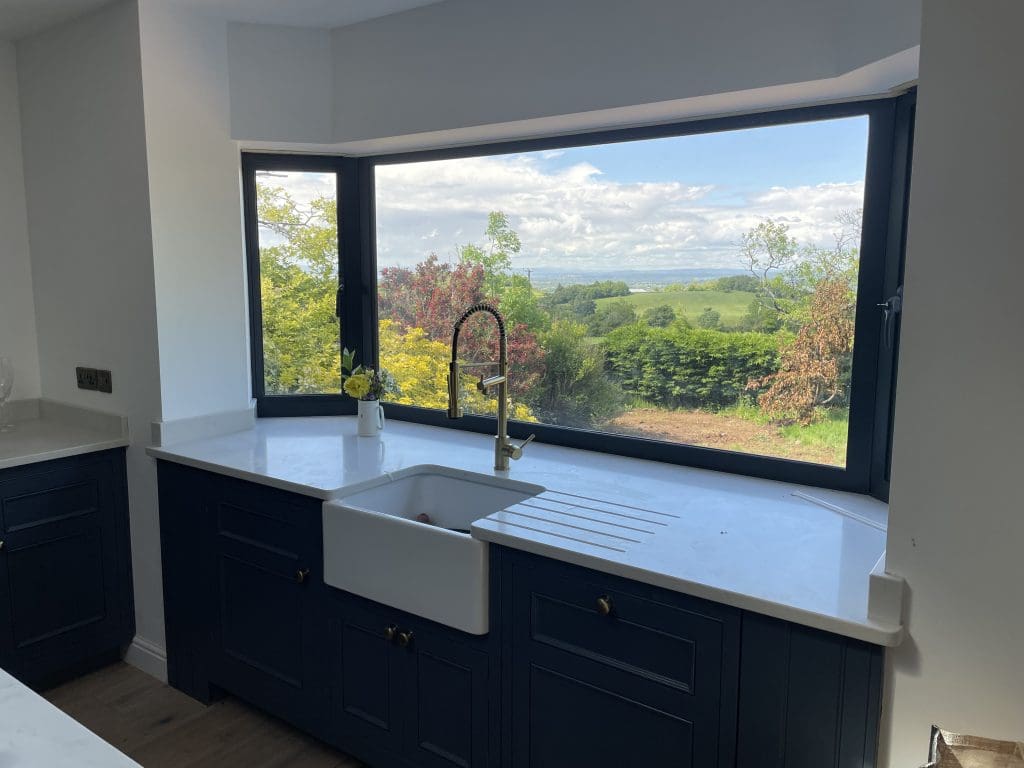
{"points": [[34, 734], [48, 430], [797, 553]]}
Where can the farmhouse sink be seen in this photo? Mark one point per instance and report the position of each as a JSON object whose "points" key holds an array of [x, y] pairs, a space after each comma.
{"points": [[404, 541]]}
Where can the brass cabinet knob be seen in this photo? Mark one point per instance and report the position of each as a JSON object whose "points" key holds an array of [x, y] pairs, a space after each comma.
{"points": [[604, 605], [389, 632], [405, 638], [301, 574]]}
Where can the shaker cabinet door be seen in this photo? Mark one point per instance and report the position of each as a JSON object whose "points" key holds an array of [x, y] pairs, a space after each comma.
{"points": [[267, 634], [65, 577]]}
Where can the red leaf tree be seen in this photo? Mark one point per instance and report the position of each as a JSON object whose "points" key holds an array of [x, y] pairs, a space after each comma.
{"points": [[432, 295]]}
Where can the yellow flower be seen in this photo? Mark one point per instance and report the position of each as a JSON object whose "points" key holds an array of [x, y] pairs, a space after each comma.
{"points": [[357, 385]]}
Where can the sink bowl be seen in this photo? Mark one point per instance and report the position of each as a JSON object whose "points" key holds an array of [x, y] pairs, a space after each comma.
{"points": [[375, 547]]}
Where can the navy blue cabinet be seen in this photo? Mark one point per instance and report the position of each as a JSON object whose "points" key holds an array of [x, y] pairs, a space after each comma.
{"points": [[608, 672], [65, 566], [268, 637], [243, 594], [580, 668], [406, 691], [808, 699]]}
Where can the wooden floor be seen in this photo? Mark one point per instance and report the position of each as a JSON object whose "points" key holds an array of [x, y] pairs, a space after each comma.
{"points": [[158, 726]]}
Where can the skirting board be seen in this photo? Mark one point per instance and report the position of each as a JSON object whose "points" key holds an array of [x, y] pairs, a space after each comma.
{"points": [[147, 656]]}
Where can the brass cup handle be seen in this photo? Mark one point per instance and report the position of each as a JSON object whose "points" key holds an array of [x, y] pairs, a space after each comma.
{"points": [[389, 632], [604, 605], [301, 575], [405, 638]]}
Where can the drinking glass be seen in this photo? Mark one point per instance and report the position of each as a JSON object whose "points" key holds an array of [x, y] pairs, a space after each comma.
{"points": [[6, 387]]}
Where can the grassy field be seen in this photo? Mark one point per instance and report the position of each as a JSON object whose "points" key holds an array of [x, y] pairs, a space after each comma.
{"points": [[732, 305]]}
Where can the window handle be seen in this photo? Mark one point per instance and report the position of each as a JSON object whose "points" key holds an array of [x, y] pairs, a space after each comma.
{"points": [[891, 307], [339, 299]]}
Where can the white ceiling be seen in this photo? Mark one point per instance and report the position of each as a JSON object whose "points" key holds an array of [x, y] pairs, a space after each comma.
{"points": [[20, 18]]}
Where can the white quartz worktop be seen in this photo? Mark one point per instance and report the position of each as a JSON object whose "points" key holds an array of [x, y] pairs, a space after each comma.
{"points": [[35, 734], [800, 554], [45, 430]]}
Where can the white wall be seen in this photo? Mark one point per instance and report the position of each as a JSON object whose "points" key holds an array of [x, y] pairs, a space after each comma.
{"points": [[464, 63], [17, 309], [956, 524], [282, 83], [92, 257], [474, 62], [195, 205]]}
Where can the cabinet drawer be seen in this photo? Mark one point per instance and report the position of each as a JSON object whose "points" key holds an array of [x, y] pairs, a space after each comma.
{"points": [[54, 499], [50, 505], [274, 531], [594, 657], [596, 620]]}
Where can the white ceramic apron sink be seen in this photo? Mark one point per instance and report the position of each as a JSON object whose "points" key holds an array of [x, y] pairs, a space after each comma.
{"points": [[375, 547]]}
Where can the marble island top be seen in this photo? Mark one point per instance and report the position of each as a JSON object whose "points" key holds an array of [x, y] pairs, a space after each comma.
{"points": [[34, 734], [45, 430], [797, 553]]}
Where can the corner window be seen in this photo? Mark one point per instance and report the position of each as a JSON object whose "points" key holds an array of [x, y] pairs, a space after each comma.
{"points": [[705, 294], [694, 290]]}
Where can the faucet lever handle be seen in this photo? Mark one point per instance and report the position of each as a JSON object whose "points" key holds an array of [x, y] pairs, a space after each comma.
{"points": [[516, 451]]}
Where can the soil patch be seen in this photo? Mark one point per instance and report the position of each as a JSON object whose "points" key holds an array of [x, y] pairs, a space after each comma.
{"points": [[713, 430]]}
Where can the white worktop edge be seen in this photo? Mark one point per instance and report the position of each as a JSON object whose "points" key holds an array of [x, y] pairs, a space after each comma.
{"points": [[36, 733], [293, 467], [876, 633], [48, 430]]}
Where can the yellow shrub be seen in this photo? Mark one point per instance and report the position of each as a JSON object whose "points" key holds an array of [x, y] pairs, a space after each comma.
{"points": [[419, 366]]}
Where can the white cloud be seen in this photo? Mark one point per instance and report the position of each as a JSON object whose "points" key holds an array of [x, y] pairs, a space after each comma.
{"points": [[578, 218]]}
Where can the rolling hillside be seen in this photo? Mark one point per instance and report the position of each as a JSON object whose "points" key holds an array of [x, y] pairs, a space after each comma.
{"points": [[731, 304]]}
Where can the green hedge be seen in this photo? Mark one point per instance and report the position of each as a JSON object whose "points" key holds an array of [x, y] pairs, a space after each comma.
{"points": [[688, 367]]}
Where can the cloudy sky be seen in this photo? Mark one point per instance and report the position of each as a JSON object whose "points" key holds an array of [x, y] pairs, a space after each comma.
{"points": [[664, 203]]}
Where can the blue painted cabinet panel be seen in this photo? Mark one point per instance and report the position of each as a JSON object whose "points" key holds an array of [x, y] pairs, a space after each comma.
{"points": [[268, 634], [448, 690], [607, 672], [808, 699], [366, 679], [580, 668], [406, 691], [65, 565]]}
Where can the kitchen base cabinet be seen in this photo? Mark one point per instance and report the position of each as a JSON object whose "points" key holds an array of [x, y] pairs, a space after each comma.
{"points": [[248, 613], [269, 638], [808, 699], [65, 566], [608, 672], [366, 682], [580, 668], [406, 691], [244, 594]]}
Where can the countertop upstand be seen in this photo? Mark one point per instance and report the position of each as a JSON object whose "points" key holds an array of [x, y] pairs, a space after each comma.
{"points": [[800, 554]]}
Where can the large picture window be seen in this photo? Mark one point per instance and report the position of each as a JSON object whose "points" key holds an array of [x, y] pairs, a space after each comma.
{"points": [[706, 293]]}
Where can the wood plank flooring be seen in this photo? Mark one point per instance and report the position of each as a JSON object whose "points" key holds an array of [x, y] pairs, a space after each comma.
{"points": [[160, 727]]}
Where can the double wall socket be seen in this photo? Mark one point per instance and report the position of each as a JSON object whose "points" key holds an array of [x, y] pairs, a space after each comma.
{"points": [[95, 379]]}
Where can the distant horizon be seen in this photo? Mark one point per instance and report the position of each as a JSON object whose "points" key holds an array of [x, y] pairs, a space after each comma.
{"points": [[634, 277]]}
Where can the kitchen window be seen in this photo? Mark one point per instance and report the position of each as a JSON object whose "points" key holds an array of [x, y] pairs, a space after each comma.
{"points": [[709, 293]]}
